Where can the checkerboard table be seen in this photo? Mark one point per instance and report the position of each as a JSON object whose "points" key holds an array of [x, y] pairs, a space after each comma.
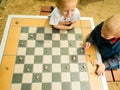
{"points": [[46, 58]]}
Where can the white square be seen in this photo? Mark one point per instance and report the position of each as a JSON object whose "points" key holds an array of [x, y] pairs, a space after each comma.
{"points": [[65, 59], [19, 68], [79, 44], [74, 68], [76, 86], [21, 51], [24, 36], [56, 86], [55, 36], [83, 76], [56, 67], [32, 29], [27, 78], [46, 77], [37, 68], [63, 31], [15, 87], [64, 43], [39, 36], [55, 51], [47, 43], [31, 43], [81, 59], [65, 77], [71, 37], [48, 30], [78, 31], [36, 86], [72, 51], [47, 59], [38, 51], [29, 59]]}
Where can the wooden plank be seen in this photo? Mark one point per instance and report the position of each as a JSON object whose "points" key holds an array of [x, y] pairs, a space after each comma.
{"points": [[116, 74], [109, 76]]}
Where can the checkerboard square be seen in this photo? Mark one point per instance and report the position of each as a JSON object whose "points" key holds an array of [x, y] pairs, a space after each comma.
{"points": [[47, 51], [78, 30], [66, 86], [22, 43], [48, 36], [37, 68], [65, 76], [16, 87], [37, 77], [64, 51], [55, 51], [27, 78], [85, 75], [65, 59], [21, 51], [46, 77], [74, 67], [56, 86], [39, 43], [48, 69], [26, 87], [47, 30], [56, 59], [38, 51], [64, 43], [48, 43], [39, 36], [31, 43], [75, 76], [46, 86], [47, 59], [81, 59], [76, 86], [36, 86], [28, 68], [24, 29], [56, 77], [79, 44], [32, 36], [38, 59], [40, 29], [56, 68], [29, 59], [18, 68], [23, 36], [55, 36], [71, 37], [17, 78], [72, 51], [63, 37], [56, 43], [32, 29], [30, 51]]}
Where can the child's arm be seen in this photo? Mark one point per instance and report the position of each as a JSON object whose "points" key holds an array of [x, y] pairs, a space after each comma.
{"points": [[64, 26]]}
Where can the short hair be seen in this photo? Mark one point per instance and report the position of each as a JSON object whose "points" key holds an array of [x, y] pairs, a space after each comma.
{"points": [[61, 2], [113, 22]]}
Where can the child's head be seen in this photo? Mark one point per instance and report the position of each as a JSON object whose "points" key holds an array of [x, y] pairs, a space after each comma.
{"points": [[111, 27], [67, 7]]}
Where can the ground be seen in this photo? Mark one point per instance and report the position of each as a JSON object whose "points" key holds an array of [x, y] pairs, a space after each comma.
{"points": [[98, 9]]}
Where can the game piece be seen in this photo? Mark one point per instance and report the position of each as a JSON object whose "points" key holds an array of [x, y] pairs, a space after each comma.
{"points": [[46, 67], [74, 58], [27, 69], [37, 76], [20, 59], [22, 44]]}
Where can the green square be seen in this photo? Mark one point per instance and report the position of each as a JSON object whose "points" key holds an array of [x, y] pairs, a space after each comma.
{"points": [[40, 29], [71, 31], [72, 43], [48, 36], [26, 87], [64, 51], [73, 59], [47, 51], [56, 77], [28, 68], [39, 43], [22, 43], [66, 86], [38, 59], [32, 36], [65, 67], [56, 43], [85, 85], [82, 67], [54, 30], [79, 37], [17, 78], [37, 77], [55, 59], [80, 51], [30, 51], [63, 37], [24, 29], [74, 76], [20, 59], [48, 69], [46, 86]]}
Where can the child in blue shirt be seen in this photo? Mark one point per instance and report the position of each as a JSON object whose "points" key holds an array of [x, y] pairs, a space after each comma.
{"points": [[106, 36]]}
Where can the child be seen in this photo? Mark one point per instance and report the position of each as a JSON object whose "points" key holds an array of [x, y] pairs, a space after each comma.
{"points": [[106, 37], [65, 14]]}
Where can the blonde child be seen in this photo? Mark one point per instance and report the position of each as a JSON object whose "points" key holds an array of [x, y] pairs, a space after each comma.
{"points": [[106, 36], [65, 14]]}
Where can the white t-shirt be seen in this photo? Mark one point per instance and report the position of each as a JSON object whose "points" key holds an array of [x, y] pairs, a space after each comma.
{"points": [[56, 17]]}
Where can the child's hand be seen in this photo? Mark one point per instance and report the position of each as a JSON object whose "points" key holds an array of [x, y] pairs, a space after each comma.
{"points": [[100, 68], [87, 45]]}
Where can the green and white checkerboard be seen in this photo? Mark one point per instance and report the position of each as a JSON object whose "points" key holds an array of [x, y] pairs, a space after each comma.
{"points": [[49, 59]]}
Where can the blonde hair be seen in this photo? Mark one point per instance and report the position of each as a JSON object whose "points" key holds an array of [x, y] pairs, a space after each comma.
{"points": [[113, 23], [62, 2]]}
